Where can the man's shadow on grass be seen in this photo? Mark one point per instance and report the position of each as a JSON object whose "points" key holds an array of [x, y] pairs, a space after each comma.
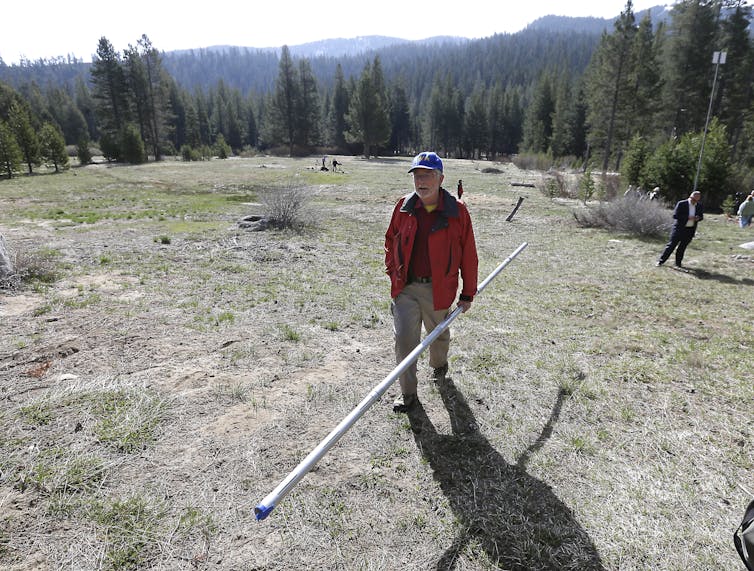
{"points": [[516, 519], [722, 278]]}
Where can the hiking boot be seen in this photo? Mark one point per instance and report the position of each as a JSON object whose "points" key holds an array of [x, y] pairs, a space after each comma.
{"points": [[404, 403], [438, 374]]}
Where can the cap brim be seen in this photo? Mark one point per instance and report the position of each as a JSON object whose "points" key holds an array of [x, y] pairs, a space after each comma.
{"points": [[412, 169]]}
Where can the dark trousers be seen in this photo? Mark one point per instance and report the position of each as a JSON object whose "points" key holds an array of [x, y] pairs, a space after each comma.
{"points": [[679, 239]]}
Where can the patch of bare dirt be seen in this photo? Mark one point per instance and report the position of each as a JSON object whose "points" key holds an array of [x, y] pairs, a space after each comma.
{"points": [[19, 304]]}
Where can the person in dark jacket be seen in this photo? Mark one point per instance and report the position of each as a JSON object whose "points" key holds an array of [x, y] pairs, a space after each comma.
{"points": [[686, 215], [429, 242]]}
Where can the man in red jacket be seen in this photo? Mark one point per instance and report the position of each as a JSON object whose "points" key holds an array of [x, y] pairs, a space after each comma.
{"points": [[429, 241]]}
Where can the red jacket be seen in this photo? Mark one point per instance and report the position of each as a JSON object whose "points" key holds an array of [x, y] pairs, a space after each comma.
{"points": [[451, 249]]}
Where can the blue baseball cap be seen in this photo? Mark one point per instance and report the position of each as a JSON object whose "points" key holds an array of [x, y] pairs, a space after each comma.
{"points": [[426, 160]]}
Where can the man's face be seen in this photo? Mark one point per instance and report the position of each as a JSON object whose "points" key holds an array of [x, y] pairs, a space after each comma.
{"points": [[695, 196], [427, 184]]}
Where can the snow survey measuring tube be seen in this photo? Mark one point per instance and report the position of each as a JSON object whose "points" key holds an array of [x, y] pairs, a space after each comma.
{"points": [[265, 507]]}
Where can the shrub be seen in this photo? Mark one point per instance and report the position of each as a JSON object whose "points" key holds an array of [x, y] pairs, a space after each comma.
{"points": [[109, 147], [627, 214], [558, 184], [190, 154], [83, 152], [222, 148], [674, 164], [285, 206], [132, 145], [729, 206], [19, 268], [205, 153]]}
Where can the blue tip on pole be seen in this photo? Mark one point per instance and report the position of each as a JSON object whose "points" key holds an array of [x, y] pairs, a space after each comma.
{"points": [[263, 511]]}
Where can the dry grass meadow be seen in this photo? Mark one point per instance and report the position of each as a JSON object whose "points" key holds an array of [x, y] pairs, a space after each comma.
{"points": [[171, 368]]}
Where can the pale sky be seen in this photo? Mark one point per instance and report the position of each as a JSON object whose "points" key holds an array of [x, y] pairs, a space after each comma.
{"points": [[48, 28]]}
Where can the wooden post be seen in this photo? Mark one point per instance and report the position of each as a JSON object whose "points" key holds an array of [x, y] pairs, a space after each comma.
{"points": [[513, 213]]}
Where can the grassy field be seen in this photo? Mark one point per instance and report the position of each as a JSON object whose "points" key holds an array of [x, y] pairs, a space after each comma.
{"points": [[171, 369]]}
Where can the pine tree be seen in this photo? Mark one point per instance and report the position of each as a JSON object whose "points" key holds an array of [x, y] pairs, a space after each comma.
{"points": [[308, 107], [176, 126], [563, 140], [284, 102], [109, 90], [338, 110], [131, 145], [608, 86], [10, 152], [204, 125], [445, 116], [368, 119], [538, 117], [52, 146], [149, 93], [645, 83], [193, 139], [400, 119], [64, 112], [496, 120], [737, 76], [252, 131], [513, 120], [85, 104], [687, 64], [26, 136], [476, 140], [82, 150]]}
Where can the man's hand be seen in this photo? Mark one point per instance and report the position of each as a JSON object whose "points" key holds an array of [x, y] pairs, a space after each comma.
{"points": [[464, 305]]}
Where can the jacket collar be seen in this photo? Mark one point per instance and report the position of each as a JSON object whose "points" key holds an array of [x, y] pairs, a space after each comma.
{"points": [[449, 204]]}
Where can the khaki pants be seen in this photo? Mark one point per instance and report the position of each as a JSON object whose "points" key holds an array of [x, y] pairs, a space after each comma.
{"points": [[410, 309]]}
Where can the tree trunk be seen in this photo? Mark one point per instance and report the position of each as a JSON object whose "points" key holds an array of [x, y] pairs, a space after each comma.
{"points": [[6, 268]]}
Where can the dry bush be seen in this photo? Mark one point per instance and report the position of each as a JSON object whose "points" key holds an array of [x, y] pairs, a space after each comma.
{"points": [[627, 214], [557, 184], [6, 267], [286, 207], [20, 267]]}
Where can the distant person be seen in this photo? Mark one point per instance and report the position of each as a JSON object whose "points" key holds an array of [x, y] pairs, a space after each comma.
{"points": [[746, 212], [655, 194], [428, 243], [686, 215], [335, 164]]}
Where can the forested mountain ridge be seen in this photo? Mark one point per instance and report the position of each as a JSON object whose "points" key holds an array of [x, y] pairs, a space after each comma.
{"points": [[589, 25], [255, 69], [515, 57]]}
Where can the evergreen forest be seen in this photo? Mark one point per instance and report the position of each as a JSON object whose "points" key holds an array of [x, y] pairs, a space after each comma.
{"points": [[663, 101]]}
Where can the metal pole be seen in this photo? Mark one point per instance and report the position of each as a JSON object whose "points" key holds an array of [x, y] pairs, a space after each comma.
{"points": [[263, 509], [717, 58]]}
